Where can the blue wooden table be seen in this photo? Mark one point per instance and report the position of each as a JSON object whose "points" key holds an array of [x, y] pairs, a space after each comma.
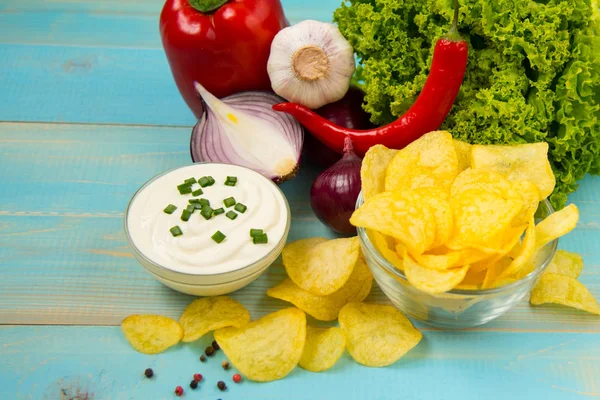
{"points": [[88, 112]]}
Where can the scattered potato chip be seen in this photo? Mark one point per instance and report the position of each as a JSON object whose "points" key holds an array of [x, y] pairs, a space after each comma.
{"points": [[323, 268], [432, 280], [564, 290], [373, 169], [266, 349], [151, 334], [565, 263], [480, 217], [211, 313], [429, 161], [381, 243], [403, 215], [524, 252], [439, 202], [327, 308], [523, 162], [323, 347], [556, 224], [377, 335], [463, 154]]}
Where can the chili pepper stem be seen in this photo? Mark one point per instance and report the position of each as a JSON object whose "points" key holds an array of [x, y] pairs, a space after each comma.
{"points": [[453, 31]]}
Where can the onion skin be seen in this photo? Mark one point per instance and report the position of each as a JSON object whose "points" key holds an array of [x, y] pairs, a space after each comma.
{"points": [[333, 194], [346, 112]]}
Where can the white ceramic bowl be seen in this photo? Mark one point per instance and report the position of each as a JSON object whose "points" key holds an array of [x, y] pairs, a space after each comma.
{"points": [[203, 282]]}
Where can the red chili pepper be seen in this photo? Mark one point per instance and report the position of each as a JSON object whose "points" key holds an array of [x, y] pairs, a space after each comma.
{"points": [[222, 44], [426, 114]]}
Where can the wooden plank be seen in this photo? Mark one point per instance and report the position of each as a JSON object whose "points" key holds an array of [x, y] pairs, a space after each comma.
{"points": [[50, 362], [64, 258]]}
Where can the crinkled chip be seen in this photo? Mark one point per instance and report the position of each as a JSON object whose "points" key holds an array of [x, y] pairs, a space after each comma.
{"points": [[565, 263], [463, 154], [429, 161], [482, 180], [211, 313], [151, 334], [441, 261], [404, 215], [524, 253], [564, 290], [377, 335], [523, 162], [530, 195], [438, 200], [384, 245], [480, 217], [432, 280], [323, 347], [373, 169], [556, 225], [321, 268], [327, 308], [266, 349]]}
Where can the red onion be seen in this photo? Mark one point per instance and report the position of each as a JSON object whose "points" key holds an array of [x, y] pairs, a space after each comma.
{"points": [[243, 129], [333, 194]]}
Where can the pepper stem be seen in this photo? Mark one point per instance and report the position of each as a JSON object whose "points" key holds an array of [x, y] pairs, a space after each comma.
{"points": [[205, 6], [348, 146], [453, 32]]}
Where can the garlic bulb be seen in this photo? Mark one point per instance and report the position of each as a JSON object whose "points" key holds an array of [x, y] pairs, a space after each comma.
{"points": [[311, 63]]}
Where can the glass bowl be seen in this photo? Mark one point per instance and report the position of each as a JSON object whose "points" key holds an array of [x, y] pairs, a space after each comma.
{"points": [[457, 308]]}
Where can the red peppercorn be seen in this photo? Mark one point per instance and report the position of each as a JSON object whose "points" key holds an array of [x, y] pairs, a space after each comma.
{"points": [[198, 377], [237, 378], [178, 390]]}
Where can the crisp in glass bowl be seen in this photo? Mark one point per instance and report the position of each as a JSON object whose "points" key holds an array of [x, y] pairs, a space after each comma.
{"points": [[456, 308]]}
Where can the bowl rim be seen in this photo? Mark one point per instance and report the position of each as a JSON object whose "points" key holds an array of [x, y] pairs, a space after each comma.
{"points": [[276, 249], [382, 261]]}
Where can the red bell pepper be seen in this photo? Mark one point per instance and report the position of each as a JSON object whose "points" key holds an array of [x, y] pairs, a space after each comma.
{"points": [[222, 44]]}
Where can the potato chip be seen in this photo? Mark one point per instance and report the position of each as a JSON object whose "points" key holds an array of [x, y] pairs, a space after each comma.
{"points": [[564, 290], [473, 280], [381, 243], [438, 200], [211, 313], [482, 180], [463, 154], [565, 263], [524, 162], [323, 347], [524, 253], [555, 225], [323, 268], [404, 215], [530, 194], [377, 335], [429, 161], [494, 272], [151, 334], [435, 261], [373, 169], [432, 280], [266, 349], [479, 217], [327, 308]]}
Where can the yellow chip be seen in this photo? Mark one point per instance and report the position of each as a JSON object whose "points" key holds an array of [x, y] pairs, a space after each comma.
{"points": [[438, 200], [266, 349], [480, 217], [565, 263], [482, 180], [404, 215], [373, 169], [440, 262], [151, 334], [377, 335], [463, 154], [327, 308], [564, 290], [556, 225], [494, 272], [429, 161], [211, 313], [432, 280], [473, 280], [324, 346], [523, 162], [530, 195], [381, 243], [524, 253], [323, 268]]}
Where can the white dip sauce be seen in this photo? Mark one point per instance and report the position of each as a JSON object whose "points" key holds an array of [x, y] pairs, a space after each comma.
{"points": [[195, 251]]}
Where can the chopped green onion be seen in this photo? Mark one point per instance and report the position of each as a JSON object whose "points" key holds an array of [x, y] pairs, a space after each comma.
{"points": [[231, 181], [206, 212], [204, 182], [176, 231], [228, 183], [185, 215], [194, 201], [190, 208], [218, 211], [239, 207], [230, 201], [197, 192], [256, 232], [205, 202], [184, 188], [198, 206], [218, 237], [169, 209], [259, 239], [231, 215], [211, 180], [190, 181]]}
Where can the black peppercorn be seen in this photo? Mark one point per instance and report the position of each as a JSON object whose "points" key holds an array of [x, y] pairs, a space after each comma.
{"points": [[215, 345], [209, 351], [194, 384], [202, 358], [225, 364], [149, 373], [221, 385]]}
